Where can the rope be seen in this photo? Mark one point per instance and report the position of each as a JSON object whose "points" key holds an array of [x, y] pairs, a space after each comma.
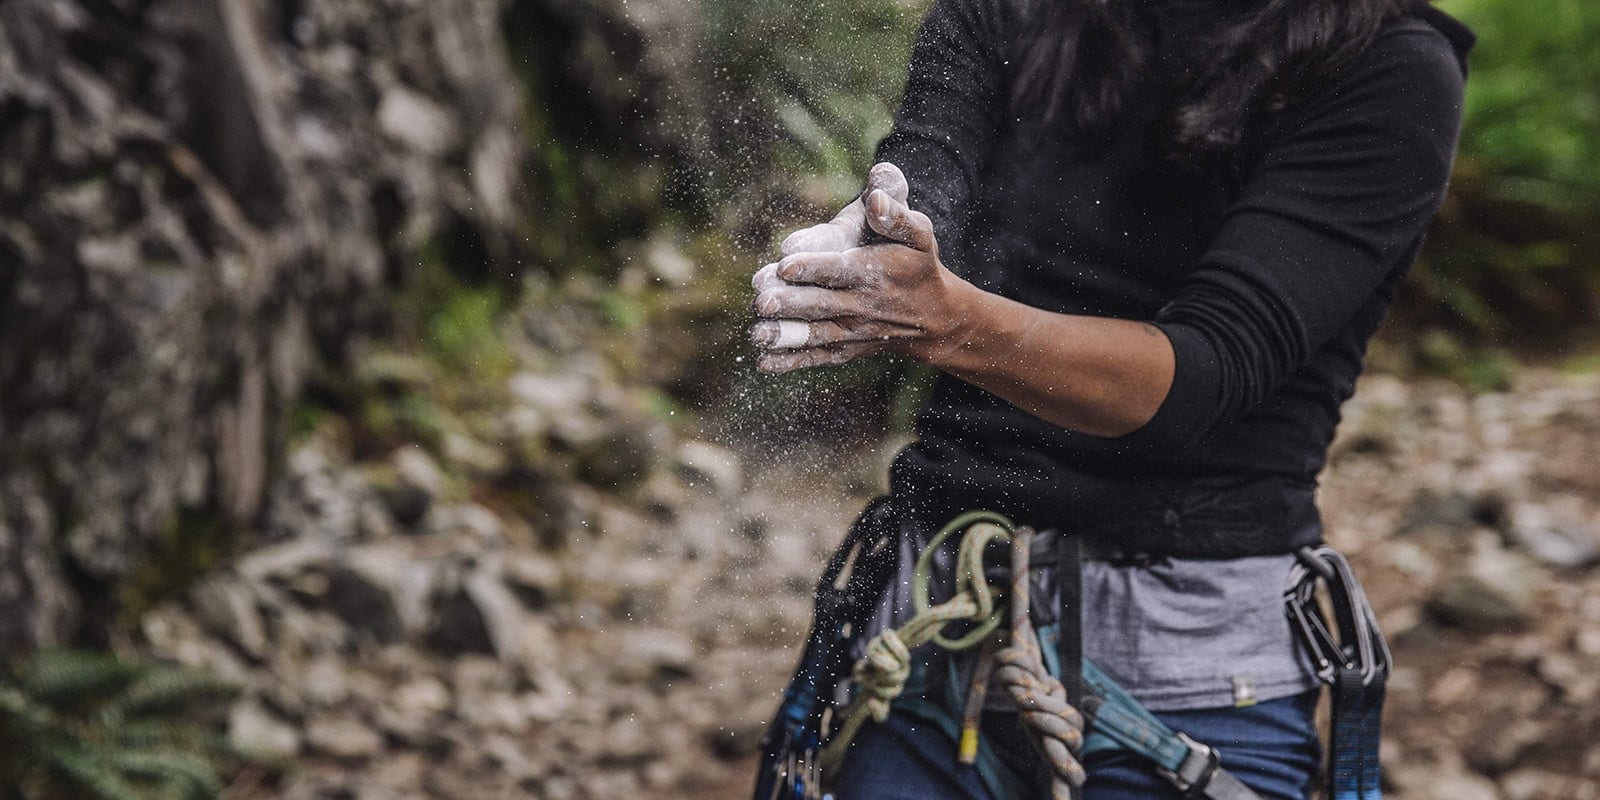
{"points": [[1055, 727], [882, 671]]}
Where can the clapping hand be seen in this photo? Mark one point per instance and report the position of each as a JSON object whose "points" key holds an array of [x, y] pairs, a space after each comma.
{"points": [[866, 282]]}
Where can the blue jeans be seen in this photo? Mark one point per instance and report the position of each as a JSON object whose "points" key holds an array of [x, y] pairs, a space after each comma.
{"points": [[1272, 747]]}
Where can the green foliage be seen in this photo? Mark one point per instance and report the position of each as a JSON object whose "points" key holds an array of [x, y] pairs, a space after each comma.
{"points": [[455, 318], [78, 725], [193, 540], [824, 74], [1510, 260], [1533, 101]]}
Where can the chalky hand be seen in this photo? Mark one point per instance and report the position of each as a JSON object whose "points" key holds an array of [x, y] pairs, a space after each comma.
{"points": [[830, 306], [848, 229]]}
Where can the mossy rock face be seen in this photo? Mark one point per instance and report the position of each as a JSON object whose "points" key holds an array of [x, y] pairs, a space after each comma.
{"points": [[181, 268]]}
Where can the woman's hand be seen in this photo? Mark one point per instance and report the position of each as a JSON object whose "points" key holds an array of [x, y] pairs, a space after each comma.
{"points": [[848, 228], [827, 308]]}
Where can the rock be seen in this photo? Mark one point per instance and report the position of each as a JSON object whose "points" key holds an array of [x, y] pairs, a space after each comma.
{"points": [[422, 697], [1463, 786], [501, 612], [624, 453], [1552, 538], [343, 737], [628, 740], [1494, 593], [535, 578], [1500, 745], [283, 562], [472, 456], [1452, 510], [1454, 686], [409, 581], [364, 604], [710, 466], [1533, 783], [481, 526], [324, 683], [253, 728], [459, 626], [553, 395], [176, 635], [416, 121], [656, 656], [1577, 681], [407, 500], [228, 607], [310, 631], [416, 469], [1469, 603]]}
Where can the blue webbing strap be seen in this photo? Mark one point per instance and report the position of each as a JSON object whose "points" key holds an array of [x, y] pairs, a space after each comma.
{"points": [[1357, 710], [1118, 721], [1355, 665]]}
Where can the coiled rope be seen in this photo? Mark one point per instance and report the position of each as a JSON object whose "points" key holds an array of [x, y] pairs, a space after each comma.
{"points": [[1055, 727]]}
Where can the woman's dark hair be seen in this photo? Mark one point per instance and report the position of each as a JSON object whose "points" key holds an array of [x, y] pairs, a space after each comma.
{"points": [[1082, 57]]}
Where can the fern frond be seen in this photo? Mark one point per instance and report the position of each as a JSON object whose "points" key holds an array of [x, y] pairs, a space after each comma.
{"points": [[166, 691], [155, 734], [188, 776], [28, 722], [92, 775], [63, 678]]}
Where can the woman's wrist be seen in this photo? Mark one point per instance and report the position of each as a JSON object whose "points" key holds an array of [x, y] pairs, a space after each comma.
{"points": [[967, 319]]}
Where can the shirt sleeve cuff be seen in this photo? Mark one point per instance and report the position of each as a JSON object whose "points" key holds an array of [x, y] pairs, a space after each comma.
{"points": [[1189, 410]]}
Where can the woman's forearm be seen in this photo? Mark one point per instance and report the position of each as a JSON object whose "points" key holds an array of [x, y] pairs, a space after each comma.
{"points": [[1101, 376], [1098, 375]]}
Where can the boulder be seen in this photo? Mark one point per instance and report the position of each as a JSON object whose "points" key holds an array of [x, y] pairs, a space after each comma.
{"points": [[253, 728], [343, 737], [1555, 534]]}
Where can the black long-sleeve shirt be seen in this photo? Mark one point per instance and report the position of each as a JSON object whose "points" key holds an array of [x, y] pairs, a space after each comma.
{"points": [[1268, 271]]}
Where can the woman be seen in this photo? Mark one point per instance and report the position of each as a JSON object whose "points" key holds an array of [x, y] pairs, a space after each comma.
{"points": [[1176, 224]]}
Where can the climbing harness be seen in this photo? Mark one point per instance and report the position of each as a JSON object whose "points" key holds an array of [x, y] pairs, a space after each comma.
{"points": [[1055, 726], [1355, 665], [843, 598], [814, 727]]}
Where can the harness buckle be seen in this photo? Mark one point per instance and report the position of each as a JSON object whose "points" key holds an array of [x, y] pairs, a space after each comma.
{"points": [[1194, 774]]}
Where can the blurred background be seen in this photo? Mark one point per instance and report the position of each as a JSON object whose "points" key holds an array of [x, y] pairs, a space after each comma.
{"points": [[375, 420]]}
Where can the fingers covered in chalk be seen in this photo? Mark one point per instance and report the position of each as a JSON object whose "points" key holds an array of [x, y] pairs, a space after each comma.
{"points": [[842, 232], [786, 334], [806, 302], [775, 361], [895, 220], [888, 178], [825, 238], [781, 334], [849, 226], [766, 278], [834, 270]]}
